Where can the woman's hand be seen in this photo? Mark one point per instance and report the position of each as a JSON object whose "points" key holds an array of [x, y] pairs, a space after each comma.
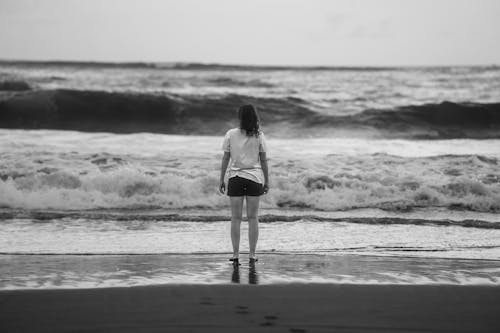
{"points": [[266, 188], [222, 187]]}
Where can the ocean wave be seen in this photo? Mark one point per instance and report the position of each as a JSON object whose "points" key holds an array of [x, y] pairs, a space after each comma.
{"points": [[225, 81], [129, 112], [339, 183], [126, 216], [211, 115], [445, 120]]}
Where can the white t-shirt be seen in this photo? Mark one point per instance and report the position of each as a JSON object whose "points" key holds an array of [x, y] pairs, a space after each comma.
{"points": [[244, 151]]}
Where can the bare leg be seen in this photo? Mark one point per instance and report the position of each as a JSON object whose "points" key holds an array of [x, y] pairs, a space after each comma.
{"points": [[253, 222], [236, 213]]}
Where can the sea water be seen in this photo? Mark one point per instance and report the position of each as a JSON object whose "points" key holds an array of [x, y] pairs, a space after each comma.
{"points": [[101, 209]]}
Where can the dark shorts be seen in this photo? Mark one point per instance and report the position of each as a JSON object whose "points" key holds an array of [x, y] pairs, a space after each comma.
{"points": [[238, 187]]}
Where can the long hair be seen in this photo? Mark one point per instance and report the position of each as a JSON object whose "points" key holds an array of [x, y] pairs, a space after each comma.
{"points": [[249, 119]]}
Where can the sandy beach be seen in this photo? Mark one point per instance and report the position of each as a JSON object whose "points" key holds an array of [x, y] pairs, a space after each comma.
{"points": [[247, 308], [281, 293]]}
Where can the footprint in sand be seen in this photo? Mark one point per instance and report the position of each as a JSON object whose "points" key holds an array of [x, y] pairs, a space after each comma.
{"points": [[267, 323], [206, 301], [241, 309], [271, 317], [270, 320]]}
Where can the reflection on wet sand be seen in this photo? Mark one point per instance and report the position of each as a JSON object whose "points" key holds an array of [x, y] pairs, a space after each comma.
{"points": [[253, 277], [235, 277], [93, 271]]}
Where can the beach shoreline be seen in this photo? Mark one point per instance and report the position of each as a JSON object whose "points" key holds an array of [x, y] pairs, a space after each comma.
{"points": [[250, 308], [47, 272]]}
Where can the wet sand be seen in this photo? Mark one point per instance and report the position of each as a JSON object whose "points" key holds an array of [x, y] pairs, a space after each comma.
{"points": [[250, 308], [101, 271]]}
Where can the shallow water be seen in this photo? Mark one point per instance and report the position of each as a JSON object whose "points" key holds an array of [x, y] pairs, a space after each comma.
{"points": [[96, 235], [49, 272], [100, 209]]}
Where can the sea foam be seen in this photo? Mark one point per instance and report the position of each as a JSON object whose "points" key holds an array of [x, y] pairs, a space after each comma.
{"points": [[50, 169]]}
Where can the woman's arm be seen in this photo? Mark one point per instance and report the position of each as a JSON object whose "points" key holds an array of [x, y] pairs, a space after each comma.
{"points": [[263, 164], [225, 162]]}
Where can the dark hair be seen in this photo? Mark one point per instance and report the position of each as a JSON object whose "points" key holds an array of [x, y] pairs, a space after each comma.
{"points": [[249, 119]]}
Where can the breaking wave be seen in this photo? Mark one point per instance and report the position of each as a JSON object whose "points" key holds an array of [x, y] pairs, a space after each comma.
{"points": [[375, 181], [208, 115]]}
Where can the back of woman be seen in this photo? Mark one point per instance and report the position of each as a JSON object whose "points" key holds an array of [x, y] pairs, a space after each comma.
{"points": [[244, 150], [245, 154]]}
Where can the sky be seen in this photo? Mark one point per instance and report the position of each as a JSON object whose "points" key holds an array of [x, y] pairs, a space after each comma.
{"points": [[262, 32]]}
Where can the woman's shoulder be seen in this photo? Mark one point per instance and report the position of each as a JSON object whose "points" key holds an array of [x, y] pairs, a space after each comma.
{"points": [[233, 131], [238, 131]]}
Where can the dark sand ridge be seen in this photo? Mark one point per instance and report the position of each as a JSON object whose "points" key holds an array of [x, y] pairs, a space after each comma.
{"points": [[247, 308], [202, 115]]}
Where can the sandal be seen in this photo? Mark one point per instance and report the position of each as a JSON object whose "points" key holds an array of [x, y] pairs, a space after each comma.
{"points": [[253, 258]]}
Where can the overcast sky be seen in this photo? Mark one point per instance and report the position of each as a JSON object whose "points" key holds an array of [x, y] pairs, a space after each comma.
{"points": [[275, 32]]}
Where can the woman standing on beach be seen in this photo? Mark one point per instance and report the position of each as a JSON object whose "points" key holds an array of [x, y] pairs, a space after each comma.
{"points": [[248, 176]]}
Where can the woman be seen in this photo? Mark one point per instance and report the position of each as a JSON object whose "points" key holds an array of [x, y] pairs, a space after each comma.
{"points": [[248, 176]]}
